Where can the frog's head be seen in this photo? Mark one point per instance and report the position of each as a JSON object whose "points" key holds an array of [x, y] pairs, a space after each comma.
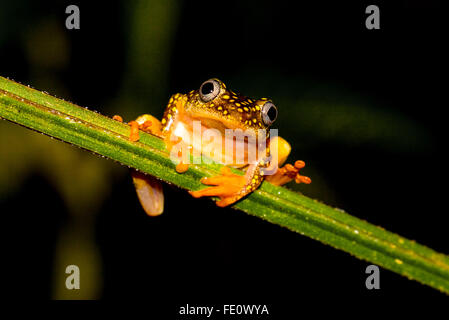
{"points": [[220, 108]]}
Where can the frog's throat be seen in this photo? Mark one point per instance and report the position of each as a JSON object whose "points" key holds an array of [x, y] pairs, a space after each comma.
{"points": [[210, 142]]}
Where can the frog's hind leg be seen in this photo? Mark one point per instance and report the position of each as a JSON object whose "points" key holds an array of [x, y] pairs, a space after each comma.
{"points": [[145, 122], [149, 191]]}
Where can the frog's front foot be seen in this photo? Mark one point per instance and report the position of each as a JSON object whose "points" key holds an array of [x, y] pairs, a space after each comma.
{"points": [[146, 123], [288, 173], [228, 187]]}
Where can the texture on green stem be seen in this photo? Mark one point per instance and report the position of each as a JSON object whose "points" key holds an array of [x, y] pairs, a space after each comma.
{"points": [[94, 132]]}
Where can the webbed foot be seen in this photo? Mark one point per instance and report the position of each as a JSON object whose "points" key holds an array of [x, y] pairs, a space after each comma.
{"points": [[228, 187], [288, 173], [146, 123]]}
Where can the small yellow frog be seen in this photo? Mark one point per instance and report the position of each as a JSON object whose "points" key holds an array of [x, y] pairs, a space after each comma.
{"points": [[215, 107]]}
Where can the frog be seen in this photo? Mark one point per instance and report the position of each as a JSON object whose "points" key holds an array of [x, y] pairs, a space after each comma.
{"points": [[219, 108]]}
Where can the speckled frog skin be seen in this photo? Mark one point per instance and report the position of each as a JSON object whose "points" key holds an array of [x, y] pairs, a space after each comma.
{"points": [[219, 108]]}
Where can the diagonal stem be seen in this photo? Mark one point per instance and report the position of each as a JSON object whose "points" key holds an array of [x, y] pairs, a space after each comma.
{"points": [[104, 136]]}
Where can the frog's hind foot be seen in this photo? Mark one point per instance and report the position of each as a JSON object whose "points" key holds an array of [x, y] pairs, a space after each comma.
{"points": [[288, 173], [145, 122], [149, 191], [226, 186]]}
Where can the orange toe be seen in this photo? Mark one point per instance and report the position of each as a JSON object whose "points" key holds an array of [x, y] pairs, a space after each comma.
{"points": [[299, 164], [118, 118], [134, 134], [181, 167]]}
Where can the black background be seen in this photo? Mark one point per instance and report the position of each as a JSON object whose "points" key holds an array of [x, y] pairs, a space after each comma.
{"points": [[196, 253]]}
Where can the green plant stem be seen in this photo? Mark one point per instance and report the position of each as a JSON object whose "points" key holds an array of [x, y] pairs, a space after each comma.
{"points": [[94, 132]]}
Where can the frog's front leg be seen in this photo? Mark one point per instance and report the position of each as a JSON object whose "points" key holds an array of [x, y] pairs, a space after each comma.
{"points": [[150, 124], [288, 172], [230, 187], [145, 122]]}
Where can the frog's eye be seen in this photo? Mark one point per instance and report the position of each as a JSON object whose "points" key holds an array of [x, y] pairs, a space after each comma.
{"points": [[209, 90], [269, 113]]}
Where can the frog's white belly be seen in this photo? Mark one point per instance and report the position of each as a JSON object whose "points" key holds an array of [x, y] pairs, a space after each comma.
{"points": [[213, 144]]}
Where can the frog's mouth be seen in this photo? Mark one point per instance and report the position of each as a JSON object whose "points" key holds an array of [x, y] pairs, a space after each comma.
{"points": [[220, 124], [208, 123]]}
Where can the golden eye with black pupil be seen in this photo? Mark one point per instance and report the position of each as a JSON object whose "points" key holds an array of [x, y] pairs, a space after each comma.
{"points": [[269, 113], [209, 90]]}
